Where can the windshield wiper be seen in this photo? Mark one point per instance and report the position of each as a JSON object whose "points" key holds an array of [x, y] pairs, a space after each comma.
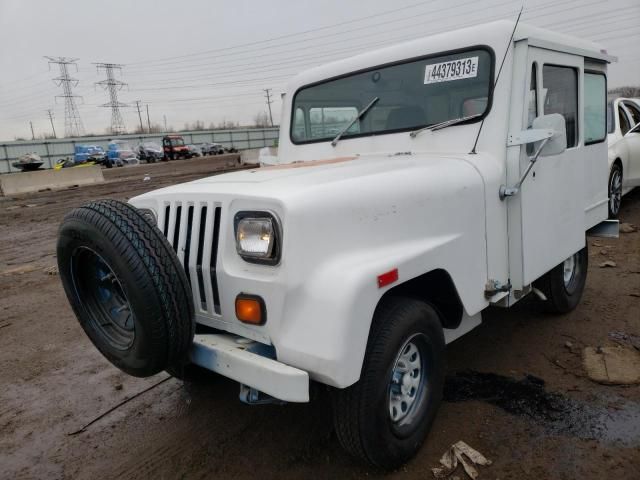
{"points": [[445, 124], [335, 141]]}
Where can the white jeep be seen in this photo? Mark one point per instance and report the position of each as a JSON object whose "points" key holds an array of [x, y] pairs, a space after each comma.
{"points": [[416, 186]]}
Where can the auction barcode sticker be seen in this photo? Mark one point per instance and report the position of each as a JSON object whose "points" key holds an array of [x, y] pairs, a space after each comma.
{"points": [[452, 70]]}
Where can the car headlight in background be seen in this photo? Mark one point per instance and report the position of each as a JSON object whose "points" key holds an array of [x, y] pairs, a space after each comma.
{"points": [[150, 215], [258, 237]]}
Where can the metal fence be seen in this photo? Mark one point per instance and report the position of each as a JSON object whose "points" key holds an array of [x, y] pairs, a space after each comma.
{"points": [[53, 150]]}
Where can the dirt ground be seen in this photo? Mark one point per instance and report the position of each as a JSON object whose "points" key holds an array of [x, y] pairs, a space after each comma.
{"points": [[53, 381]]}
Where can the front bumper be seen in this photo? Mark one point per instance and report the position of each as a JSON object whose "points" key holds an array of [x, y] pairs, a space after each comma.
{"points": [[230, 355]]}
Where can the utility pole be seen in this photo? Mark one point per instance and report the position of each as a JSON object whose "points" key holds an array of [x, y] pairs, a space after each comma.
{"points": [[72, 123], [33, 135], [111, 85], [50, 113], [269, 102], [165, 122], [148, 119], [139, 115]]}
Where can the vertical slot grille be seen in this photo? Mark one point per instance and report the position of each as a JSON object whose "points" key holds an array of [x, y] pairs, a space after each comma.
{"points": [[176, 229], [201, 232], [187, 245], [214, 258], [167, 212], [194, 236]]}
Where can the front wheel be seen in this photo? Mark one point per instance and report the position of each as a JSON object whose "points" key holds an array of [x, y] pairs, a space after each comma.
{"points": [[564, 284], [384, 417], [615, 190]]}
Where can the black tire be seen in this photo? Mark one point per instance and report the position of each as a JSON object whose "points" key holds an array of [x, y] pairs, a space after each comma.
{"points": [[362, 412], [108, 163], [614, 190], [126, 287], [564, 294]]}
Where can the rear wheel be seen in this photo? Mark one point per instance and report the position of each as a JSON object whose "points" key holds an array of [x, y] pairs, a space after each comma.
{"points": [[564, 284], [384, 417], [126, 287], [615, 190]]}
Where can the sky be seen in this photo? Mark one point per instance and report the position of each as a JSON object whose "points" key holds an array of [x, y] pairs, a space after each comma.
{"points": [[209, 60]]}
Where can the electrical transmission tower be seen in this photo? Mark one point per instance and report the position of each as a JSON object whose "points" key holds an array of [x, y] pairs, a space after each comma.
{"points": [[72, 123], [112, 85]]}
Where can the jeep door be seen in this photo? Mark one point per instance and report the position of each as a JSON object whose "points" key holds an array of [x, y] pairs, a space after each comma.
{"points": [[547, 218]]}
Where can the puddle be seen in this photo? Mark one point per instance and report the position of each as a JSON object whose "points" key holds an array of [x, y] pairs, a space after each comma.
{"points": [[555, 412]]}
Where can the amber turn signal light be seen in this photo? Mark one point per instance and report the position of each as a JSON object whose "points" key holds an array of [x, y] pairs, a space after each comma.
{"points": [[251, 309]]}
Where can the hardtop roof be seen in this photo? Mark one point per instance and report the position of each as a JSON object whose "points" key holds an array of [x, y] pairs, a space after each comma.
{"points": [[493, 34]]}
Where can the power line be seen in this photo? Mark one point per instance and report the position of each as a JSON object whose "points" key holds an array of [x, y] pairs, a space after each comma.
{"points": [[72, 123], [260, 42], [111, 85], [376, 32]]}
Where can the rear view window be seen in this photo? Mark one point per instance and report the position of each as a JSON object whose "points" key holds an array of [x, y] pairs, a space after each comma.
{"points": [[560, 87], [595, 101]]}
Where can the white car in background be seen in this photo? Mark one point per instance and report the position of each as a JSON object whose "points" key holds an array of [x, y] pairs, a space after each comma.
{"points": [[623, 123]]}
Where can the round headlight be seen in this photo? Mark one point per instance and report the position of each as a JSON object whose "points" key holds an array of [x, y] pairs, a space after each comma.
{"points": [[257, 237]]}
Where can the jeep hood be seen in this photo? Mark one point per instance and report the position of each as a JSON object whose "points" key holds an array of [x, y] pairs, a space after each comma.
{"points": [[281, 181]]}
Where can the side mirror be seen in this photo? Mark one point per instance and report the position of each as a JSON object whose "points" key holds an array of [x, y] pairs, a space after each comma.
{"points": [[558, 142]]}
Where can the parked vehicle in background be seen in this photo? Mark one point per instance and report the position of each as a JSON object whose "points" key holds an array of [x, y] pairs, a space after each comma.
{"points": [[195, 151], [150, 152], [89, 153], [623, 123], [28, 162], [212, 149], [175, 148], [120, 153], [415, 188]]}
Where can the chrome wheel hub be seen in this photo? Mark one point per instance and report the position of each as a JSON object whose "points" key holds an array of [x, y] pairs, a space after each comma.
{"points": [[407, 381], [615, 191], [569, 269]]}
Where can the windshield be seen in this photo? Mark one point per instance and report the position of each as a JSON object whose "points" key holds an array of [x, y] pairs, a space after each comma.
{"points": [[177, 142], [411, 95]]}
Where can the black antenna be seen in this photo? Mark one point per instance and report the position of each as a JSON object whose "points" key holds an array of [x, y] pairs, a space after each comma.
{"points": [[473, 150]]}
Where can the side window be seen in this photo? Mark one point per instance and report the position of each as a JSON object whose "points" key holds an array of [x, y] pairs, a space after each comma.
{"points": [[634, 111], [624, 121], [611, 124], [299, 132], [595, 100], [329, 121], [533, 96], [561, 88], [533, 104]]}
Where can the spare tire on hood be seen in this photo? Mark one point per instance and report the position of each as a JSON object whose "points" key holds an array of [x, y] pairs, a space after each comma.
{"points": [[126, 287]]}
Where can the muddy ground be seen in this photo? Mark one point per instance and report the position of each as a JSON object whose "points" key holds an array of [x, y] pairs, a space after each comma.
{"points": [[53, 381]]}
